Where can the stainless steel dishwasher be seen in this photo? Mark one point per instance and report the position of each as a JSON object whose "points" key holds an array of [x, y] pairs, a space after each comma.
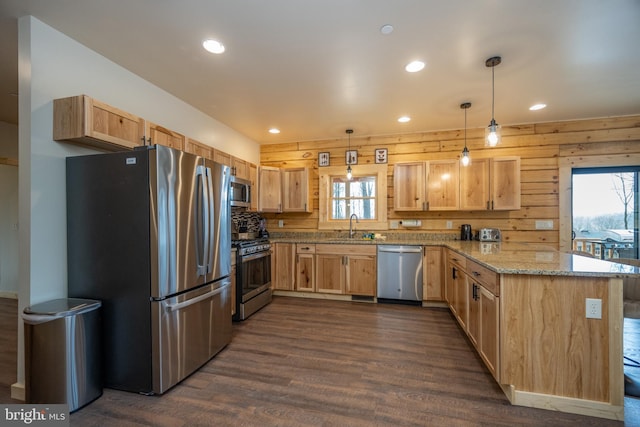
{"points": [[399, 273]]}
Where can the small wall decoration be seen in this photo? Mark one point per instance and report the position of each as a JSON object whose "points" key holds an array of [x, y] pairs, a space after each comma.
{"points": [[381, 155], [323, 159], [351, 157]]}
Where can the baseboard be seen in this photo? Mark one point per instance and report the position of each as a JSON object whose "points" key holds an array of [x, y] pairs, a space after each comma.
{"points": [[17, 391], [8, 294], [570, 405]]}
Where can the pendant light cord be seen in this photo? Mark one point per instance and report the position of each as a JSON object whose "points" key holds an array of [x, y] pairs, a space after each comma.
{"points": [[493, 92]]}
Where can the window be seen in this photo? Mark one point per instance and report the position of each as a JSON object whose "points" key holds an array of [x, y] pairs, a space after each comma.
{"points": [[364, 195], [356, 196], [605, 209]]}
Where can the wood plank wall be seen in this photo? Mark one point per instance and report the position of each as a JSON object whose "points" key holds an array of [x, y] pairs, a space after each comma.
{"points": [[539, 146]]}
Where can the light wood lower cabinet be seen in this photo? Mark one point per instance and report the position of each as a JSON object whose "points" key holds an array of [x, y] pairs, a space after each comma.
{"points": [[346, 269], [361, 275], [329, 272], [305, 267], [283, 268], [433, 287], [472, 292], [233, 281]]}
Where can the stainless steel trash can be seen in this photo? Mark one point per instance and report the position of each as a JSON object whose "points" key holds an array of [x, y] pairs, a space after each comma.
{"points": [[63, 352]]}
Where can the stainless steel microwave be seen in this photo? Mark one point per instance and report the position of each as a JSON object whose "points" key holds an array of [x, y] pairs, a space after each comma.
{"points": [[240, 194]]}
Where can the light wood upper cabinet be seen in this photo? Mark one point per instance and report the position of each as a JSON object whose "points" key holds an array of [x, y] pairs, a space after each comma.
{"points": [[222, 157], [505, 183], [474, 185], [269, 189], [157, 134], [239, 168], [284, 190], [421, 186], [296, 190], [88, 121], [443, 185], [409, 186], [490, 184], [253, 179], [199, 149]]}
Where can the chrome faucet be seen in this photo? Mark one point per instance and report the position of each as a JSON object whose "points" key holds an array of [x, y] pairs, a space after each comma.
{"points": [[351, 230]]}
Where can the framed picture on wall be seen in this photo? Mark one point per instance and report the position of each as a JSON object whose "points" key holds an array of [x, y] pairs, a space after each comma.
{"points": [[351, 157], [323, 159], [381, 155]]}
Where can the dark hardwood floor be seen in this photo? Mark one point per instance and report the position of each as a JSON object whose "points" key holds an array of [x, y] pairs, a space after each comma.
{"points": [[300, 362], [8, 347]]}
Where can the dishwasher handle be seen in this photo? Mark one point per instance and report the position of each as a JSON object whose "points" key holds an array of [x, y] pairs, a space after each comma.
{"points": [[400, 249]]}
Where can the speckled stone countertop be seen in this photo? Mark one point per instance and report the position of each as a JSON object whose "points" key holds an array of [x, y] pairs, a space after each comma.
{"points": [[506, 258]]}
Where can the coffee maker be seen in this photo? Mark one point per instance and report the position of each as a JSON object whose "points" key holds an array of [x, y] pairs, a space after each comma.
{"points": [[465, 232]]}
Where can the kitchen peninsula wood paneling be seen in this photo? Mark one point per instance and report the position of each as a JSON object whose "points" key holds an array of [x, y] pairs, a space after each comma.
{"points": [[539, 147]]}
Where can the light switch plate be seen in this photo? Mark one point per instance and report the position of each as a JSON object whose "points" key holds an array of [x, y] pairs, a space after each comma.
{"points": [[449, 224], [544, 224]]}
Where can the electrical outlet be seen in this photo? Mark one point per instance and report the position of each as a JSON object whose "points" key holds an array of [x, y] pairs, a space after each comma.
{"points": [[280, 223], [393, 225], [449, 224], [594, 308]]}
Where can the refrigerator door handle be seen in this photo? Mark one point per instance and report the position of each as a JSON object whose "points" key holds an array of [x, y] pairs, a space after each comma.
{"points": [[201, 220], [187, 303], [209, 220]]}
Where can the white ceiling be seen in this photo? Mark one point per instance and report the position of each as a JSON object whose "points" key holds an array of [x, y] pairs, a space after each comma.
{"points": [[315, 68]]}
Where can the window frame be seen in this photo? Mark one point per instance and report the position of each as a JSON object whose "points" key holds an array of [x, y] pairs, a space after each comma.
{"points": [[324, 217]]}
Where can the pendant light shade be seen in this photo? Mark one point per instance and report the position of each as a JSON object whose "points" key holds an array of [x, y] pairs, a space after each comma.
{"points": [[349, 174], [492, 132], [465, 159]]}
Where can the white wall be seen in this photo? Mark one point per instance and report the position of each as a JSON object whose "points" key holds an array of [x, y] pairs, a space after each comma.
{"points": [[52, 65]]}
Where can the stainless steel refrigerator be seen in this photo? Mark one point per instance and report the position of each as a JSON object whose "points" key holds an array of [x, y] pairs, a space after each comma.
{"points": [[148, 234]]}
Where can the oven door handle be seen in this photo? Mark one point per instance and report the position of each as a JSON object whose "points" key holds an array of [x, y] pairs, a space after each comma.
{"points": [[187, 303], [258, 255]]}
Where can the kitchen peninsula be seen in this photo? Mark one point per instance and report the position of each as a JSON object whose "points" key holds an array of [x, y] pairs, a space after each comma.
{"points": [[523, 308]]}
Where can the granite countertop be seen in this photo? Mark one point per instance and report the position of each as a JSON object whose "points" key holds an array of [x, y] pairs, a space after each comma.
{"points": [[506, 258]]}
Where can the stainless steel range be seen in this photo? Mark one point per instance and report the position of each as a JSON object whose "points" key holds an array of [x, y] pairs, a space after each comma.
{"points": [[253, 276]]}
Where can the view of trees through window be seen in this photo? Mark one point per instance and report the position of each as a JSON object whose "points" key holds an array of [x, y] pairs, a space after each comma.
{"points": [[355, 196], [605, 212]]}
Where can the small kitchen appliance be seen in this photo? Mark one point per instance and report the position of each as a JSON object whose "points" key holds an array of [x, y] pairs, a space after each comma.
{"points": [[489, 235], [465, 232]]}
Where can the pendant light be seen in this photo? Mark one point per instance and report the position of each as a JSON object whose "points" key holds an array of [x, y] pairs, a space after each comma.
{"points": [[465, 159], [349, 175], [492, 132]]}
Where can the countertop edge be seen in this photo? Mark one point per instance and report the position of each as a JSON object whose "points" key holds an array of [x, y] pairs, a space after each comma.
{"points": [[455, 245]]}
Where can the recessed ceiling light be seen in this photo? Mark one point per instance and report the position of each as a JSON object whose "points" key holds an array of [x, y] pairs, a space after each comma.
{"points": [[213, 46], [274, 131], [537, 107], [386, 29], [414, 67], [404, 119]]}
